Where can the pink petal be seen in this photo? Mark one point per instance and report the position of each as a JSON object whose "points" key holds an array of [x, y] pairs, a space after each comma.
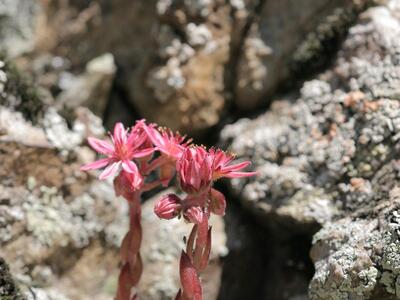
{"points": [[110, 170], [101, 146], [240, 174], [130, 167], [96, 165], [135, 140], [143, 153], [236, 167], [119, 133], [154, 136]]}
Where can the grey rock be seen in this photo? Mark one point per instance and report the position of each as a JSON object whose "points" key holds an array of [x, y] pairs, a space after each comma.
{"points": [[329, 158], [92, 88], [284, 37], [52, 216], [17, 25], [182, 62]]}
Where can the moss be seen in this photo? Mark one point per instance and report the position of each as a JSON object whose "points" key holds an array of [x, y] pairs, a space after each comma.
{"points": [[8, 288], [20, 94]]}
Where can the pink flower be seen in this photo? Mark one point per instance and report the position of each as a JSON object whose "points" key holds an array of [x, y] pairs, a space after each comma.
{"points": [[195, 170], [168, 143], [123, 149], [222, 166], [168, 207], [171, 147], [140, 129], [127, 183]]}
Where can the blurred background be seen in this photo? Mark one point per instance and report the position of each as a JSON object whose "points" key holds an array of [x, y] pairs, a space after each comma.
{"points": [[307, 90]]}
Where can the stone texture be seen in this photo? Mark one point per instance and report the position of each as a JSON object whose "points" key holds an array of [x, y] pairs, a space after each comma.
{"points": [[56, 223], [60, 228], [287, 39], [329, 158], [327, 153], [17, 25], [8, 288], [358, 258], [184, 74], [182, 62], [304, 148], [90, 89]]}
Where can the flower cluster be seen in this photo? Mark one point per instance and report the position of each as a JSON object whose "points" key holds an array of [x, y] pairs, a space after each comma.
{"points": [[134, 154]]}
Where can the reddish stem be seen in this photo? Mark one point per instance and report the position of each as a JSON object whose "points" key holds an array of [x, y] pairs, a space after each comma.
{"points": [[194, 261], [132, 267]]}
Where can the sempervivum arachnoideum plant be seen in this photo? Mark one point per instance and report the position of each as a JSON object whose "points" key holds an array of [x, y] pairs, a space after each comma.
{"points": [[130, 157]]}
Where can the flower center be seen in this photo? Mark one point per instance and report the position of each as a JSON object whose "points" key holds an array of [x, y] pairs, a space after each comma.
{"points": [[123, 152]]}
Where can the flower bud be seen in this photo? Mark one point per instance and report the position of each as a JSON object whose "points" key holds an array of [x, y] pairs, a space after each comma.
{"points": [[194, 214], [217, 202], [126, 183], [194, 170], [168, 207]]}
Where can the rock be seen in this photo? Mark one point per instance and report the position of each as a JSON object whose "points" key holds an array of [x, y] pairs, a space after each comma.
{"points": [[17, 93], [285, 39], [161, 249], [329, 159], [57, 224], [8, 288], [183, 77], [92, 88], [303, 148], [261, 263], [18, 21], [181, 63], [357, 258]]}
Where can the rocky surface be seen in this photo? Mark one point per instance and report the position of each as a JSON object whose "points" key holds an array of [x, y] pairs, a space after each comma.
{"points": [[60, 228], [18, 20], [329, 158], [182, 63], [284, 38], [327, 152], [51, 214], [8, 288]]}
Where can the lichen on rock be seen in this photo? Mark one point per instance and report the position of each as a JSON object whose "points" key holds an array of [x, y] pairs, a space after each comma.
{"points": [[336, 144]]}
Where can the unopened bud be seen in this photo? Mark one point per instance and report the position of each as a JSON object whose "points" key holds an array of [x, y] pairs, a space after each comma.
{"points": [[194, 214], [217, 202], [168, 207], [126, 183]]}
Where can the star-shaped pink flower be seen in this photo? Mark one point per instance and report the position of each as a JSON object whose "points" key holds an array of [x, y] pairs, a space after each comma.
{"points": [[124, 148], [223, 167]]}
